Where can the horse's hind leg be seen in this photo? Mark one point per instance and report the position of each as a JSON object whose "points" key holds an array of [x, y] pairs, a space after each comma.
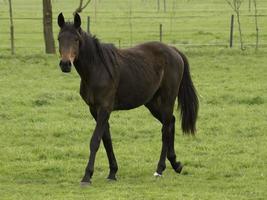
{"points": [[164, 115], [111, 156], [177, 166]]}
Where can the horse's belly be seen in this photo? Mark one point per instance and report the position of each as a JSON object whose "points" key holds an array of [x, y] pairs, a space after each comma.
{"points": [[137, 85], [128, 103], [132, 97]]}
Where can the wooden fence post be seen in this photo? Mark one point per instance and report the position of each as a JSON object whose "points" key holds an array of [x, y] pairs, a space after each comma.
{"points": [[11, 28], [160, 32], [88, 24], [231, 31]]}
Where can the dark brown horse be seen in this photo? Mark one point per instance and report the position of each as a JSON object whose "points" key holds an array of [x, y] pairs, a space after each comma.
{"points": [[151, 74]]}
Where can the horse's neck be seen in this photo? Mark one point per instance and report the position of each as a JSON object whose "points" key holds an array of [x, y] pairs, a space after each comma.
{"points": [[86, 61], [89, 60]]}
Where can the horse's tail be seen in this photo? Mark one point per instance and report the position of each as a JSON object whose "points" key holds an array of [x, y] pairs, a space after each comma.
{"points": [[187, 100]]}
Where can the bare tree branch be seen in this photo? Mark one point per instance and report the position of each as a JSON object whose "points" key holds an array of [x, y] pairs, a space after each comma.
{"points": [[81, 6], [230, 4], [235, 5], [256, 23], [85, 5], [238, 3]]}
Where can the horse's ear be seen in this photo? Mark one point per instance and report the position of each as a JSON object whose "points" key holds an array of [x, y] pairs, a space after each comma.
{"points": [[77, 21], [60, 20]]}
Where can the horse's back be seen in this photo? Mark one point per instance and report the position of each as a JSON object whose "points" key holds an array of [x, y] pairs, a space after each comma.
{"points": [[164, 56], [170, 60], [144, 69]]}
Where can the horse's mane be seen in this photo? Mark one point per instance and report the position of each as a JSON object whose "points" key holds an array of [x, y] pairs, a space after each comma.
{"points": [[107, 54], [102, 53]]}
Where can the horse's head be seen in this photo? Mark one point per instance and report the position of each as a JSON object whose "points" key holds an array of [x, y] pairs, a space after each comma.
{"points": [[69, 39]]}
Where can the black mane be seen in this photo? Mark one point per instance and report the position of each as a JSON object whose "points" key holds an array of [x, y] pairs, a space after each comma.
{"points": [[100, 53]]}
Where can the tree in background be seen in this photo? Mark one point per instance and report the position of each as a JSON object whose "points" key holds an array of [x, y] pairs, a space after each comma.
{"points": [[164, 4], [48, 27], [235, 5], [81, 7], [256, 23]]}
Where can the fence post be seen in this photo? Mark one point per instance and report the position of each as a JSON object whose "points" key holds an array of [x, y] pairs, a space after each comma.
{"points": [[160, 32], [88, 24], [11, 27], [165, 8], [158, 5], [231, 31]]}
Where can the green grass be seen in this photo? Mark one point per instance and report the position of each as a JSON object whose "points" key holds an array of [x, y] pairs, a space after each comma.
{"points": [[45, 127]]}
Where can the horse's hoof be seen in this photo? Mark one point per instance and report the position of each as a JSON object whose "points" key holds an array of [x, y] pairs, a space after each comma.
{"points": [[85, 184], [156, 174], [179, 168], [111, 178]]}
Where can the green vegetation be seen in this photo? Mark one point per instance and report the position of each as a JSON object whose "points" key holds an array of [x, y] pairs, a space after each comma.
{"points": [[45, 126]]}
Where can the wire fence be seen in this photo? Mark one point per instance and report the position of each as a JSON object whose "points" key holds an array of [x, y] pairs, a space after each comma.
{"points": [[186, 31], [127, 36]]}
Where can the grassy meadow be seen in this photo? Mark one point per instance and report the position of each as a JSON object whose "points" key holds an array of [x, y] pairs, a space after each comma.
{"points": [[45, 127]]}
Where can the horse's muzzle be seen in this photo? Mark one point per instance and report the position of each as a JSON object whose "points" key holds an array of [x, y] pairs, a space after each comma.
{"points": [[65, 66]]}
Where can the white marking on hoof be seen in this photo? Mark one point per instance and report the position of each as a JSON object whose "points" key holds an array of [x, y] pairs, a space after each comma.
{"points": [[156, 174], [85, 184]]}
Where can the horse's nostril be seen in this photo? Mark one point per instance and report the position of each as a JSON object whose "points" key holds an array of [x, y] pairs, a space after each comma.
{"points": [[65, 66], [69, 64], [65, 63]]}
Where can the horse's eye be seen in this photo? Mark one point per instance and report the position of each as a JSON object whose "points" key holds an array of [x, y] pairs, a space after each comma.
{"points": [[77, 40]]}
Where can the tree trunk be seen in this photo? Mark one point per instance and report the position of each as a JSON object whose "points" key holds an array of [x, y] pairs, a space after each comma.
{"points": [[48, 27]]}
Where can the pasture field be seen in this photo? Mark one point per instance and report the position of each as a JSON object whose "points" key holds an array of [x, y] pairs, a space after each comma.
{"points": [[45, 126], [45, 129]]}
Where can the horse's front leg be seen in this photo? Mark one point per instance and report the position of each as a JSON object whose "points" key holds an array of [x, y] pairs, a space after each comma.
{"points": [[101, 125], [109, 148]]}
